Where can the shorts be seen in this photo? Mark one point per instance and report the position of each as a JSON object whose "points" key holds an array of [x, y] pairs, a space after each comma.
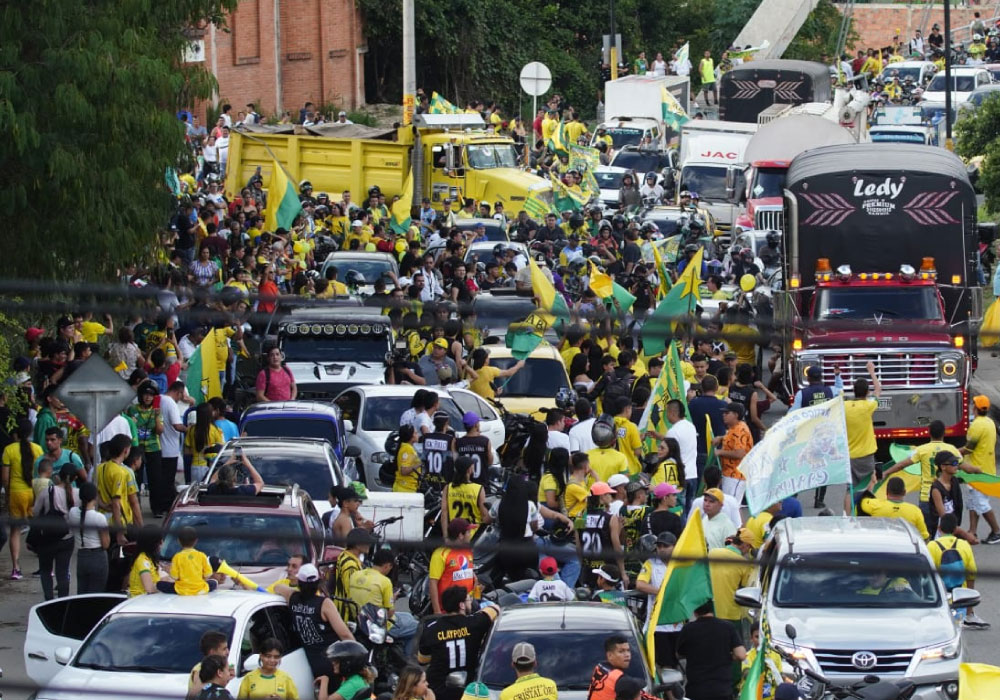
{"points": [[21, 503], [977, 501], [861, 468]]}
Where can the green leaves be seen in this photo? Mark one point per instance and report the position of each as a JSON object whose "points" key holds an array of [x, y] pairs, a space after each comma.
{"points": [[88, 94], [978, 134]]}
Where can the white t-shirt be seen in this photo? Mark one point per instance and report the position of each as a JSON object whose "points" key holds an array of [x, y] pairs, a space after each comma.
{"points": [[616, 507], [117, 426], [555, 590], [659, 67], [729, 506], [211, 153], [186, 347], [170, 439], [579, 436], [93, 524], [684, 432], [558, 439]]}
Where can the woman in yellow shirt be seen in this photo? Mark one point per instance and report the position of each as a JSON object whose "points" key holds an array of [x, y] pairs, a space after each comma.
{"points": [[552, 486], [666, 466], [464, 498], [17, 472], [581, 477], [407, 461], [268, 681], [197, 441], [487, 374], [144, 575]]}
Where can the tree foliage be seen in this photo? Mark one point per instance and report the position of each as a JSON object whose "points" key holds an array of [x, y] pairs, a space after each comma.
{"points": [[88, 96], [468, 49], [978, 134]]}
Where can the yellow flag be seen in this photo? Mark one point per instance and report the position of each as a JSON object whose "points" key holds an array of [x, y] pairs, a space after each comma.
{"points": [[600, 282], [978, 681], [690, 279]]}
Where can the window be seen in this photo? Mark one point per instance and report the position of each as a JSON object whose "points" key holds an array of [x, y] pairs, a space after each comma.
{"points": [[349, 404], [883, 304], [281, 623], [539, 377], [293, 426], [382, 412], [258, 629], [278, 536], [868, 580], [74, 618], [331, 349], [281, 465]]}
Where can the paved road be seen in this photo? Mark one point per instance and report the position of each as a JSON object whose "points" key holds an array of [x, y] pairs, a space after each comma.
{"points": [[981, 646]]}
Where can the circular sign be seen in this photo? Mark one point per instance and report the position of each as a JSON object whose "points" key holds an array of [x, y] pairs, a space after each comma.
{"points": [[536, 79]]}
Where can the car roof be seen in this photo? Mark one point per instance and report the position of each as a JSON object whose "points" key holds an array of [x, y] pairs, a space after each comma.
{"points": [[908, 64], [353, 255], [490, 245], [219, 603], [301, 444], [990, 87], [964, 70], [856, 535], [544, 352], [357, 314], [277, 408], [283, 501], [466, 224], [407, 390], [564, 615]]}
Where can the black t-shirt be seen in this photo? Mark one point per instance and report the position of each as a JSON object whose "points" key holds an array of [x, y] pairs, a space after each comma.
{"points": [[438, 458], [631, 252], [548, 234], [452, 642], [707, 644], [477, 447], [664, 521]]}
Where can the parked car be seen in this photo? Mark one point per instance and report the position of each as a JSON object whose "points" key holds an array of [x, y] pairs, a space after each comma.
{"points": [[145, 647], [568, 640], [279, 522], [964, 81], [313, 419], [372, 412], [371, 266], [535, 385]]}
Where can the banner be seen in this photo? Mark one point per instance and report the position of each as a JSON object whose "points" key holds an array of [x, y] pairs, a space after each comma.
{"points": [[804, 450], [439, 105], [586, 160]]}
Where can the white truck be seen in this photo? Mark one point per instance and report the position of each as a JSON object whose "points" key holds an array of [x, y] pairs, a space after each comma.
{"points": [[633, 108], [711, 152]]}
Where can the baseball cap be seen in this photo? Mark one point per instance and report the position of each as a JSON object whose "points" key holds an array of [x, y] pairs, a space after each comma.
{"points": [[523, 653], [734, 407], [945, 457], [609, 572], [600, 488], [64, 321], [746, 535], [470, 419], [32, 334], [716, 494], [617, 480], [814, 372], [664, 489], [548, 566], [981, 402], [356, 222], [667, 538], [342, 113], [308, 573], [636, 485], [475, 691], [441, 343], [458, 526]]}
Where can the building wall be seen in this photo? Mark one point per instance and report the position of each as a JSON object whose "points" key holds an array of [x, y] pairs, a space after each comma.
{"points": [[280, 54], [876, 24]]}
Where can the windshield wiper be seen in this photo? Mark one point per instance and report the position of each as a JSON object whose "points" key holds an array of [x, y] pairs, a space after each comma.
{"points": [[889, 312]]}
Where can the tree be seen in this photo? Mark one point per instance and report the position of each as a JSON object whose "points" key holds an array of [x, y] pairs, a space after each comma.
{"points": [[88, 97], [978, 135]]}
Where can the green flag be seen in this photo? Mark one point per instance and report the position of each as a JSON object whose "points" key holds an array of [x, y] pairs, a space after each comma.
{"points": [[625, 297], [753, 683], [681, 300]]}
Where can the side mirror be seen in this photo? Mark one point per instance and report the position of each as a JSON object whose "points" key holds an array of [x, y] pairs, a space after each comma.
{"points": [[960, 598], [449, 159], [353, 450], [252, 663], [730, 183], [748, 597], [63, 655], [456, 680], [790, 631], [349, 427]]}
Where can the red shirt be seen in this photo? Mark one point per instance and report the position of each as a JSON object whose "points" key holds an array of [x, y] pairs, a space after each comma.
{"points": [[267, 296]]}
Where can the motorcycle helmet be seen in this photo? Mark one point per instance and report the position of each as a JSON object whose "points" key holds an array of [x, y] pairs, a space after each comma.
{"points": [[374, 191], [605, 224], [650, 227], [977, 37], [565, 398], [603, 431], [354, 279], [696, 224], [746, 255], [576, 220], [690, 249], [323, 197], [618, 221], [305, 186], [773, 239], [351, 656], [499, 250]]}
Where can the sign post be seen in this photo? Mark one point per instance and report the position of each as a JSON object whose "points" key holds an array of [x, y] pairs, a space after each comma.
{"points": [[95, 393], [536, 79]]}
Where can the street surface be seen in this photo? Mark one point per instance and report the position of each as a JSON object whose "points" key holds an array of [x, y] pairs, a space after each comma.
{"points": [[981, 645]]}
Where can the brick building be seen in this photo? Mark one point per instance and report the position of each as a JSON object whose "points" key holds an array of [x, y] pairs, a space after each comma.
{"points": [[281, 53], [877, 23]]}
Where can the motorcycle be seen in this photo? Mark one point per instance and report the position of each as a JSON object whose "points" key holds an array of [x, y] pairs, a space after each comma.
{"points": [[384, 653]]}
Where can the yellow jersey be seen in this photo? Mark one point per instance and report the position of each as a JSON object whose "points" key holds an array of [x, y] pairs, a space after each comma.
{"points": [[198, 458], [188, 569], [628, 443], [879, 508], [860, 428], [575, 498], [115, 481], [277, 685], [371, 586], [483, 383], [983, 433], [666, 473], [606, 462], [407, 457], [463, 502], [91, 331], [12, 460], [142, 565], [530, 687], [727, 578], [924, 455]]}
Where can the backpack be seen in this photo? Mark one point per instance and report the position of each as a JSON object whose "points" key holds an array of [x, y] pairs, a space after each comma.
{"points": [[387, 470], [49, 527], [952, 568], [267, 376], [618, 387]]}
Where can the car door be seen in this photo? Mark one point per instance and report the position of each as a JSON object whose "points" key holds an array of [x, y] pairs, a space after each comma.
{"points": [[491, 424], [63, 622], [294, 662]]}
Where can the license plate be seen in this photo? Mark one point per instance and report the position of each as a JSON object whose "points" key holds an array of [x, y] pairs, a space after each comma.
{"points": [[884, 403]]}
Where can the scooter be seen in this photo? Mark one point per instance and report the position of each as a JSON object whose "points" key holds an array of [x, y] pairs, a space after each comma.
{"points": [[384, 653]]}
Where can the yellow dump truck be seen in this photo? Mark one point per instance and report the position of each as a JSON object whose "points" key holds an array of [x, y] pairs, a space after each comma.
{"points": [[451, 156]]}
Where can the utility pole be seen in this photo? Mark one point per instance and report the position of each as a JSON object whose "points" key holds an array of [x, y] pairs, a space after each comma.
{"points": [[409, 64], [613, 51], [947, 76]]}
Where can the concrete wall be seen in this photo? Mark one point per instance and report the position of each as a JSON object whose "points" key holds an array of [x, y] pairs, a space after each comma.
{"points": [[282, 53], [876, 23]]}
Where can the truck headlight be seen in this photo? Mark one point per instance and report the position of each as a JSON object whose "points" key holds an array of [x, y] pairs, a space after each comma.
{"points": [[804, 362], [950, 367], [948, 650]]}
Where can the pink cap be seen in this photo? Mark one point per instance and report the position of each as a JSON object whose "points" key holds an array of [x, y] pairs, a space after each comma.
{"points": [[664, 489]]}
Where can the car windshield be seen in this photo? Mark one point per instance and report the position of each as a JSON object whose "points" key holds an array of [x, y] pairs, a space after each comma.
{"points": [[977, 98], [568, 657], [283, 465], [708, 182], [246, 538], [492, 155], [608, 180], [292, 426], [904, 73], [667, 226], [767, 182], [624, 136], [540, 377], [494, 232], [933, 113], [330, 349], [483, 254], [149, 643], [371, 270], [640, 161], [880, 136], [855, 580], [959, 83], [497, 313], [881, 303], [382, 412]]}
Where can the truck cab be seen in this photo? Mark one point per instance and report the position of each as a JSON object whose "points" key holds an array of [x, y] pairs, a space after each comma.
{"points": [[632, 131], [329, 350], [711, 157]]}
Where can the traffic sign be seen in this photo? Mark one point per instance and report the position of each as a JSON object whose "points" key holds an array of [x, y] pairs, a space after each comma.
{"points": [[536, 79], [95, 393]]}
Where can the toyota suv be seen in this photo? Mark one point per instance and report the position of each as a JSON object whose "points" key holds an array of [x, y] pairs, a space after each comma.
{"points": [[863, 598]]}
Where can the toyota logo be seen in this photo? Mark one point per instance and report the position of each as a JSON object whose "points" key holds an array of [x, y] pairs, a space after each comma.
{"points": [[864, 660]]}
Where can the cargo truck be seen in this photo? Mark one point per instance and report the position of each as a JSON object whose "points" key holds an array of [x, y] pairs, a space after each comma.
{"points": [[450, 155], [880, 258], [748, 89], [633, 108]]}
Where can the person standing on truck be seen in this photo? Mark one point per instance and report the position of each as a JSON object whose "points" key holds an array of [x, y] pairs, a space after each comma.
{"points": [[980, 446], [706, 69], [275, 382]]}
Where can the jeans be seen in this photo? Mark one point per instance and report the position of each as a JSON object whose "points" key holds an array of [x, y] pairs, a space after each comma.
{"points": [[57, 555], [91, 571], [198, 473], [404, 629], [690, 491], [565, 555]]}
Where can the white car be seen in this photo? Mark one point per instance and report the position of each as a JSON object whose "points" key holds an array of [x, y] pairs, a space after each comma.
{"points": [[964, 81], [145, 647], [370, 266], [609, 179], [371, 412], [920, 71]]}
